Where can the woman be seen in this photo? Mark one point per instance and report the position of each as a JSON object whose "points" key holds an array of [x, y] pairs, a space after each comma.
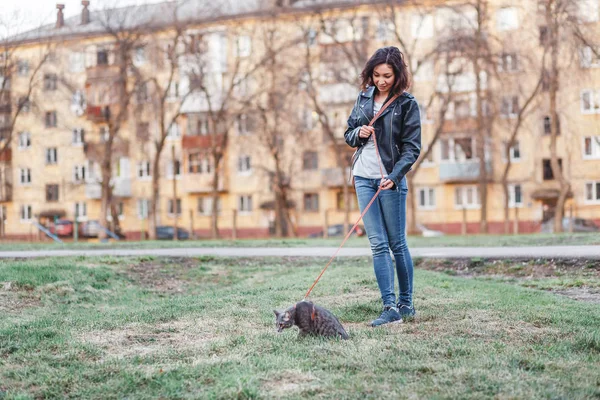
{"points": [[398, 134]]}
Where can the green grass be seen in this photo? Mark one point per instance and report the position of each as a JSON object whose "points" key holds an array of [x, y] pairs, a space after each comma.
{"points": [[414, 241], [149, 327]]}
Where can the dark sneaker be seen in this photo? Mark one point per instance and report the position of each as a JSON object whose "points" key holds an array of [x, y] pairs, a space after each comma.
{"points": [[388, 315], [406, 311]]}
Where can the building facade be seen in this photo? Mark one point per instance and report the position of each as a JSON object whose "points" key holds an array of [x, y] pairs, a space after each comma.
{"points": [[232, 77]]}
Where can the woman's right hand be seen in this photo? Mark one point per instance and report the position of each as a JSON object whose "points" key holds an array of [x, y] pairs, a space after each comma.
{"points": [[366, 131]]}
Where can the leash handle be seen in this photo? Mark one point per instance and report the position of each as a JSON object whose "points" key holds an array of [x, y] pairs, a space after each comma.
{"points": [[381, 110]]}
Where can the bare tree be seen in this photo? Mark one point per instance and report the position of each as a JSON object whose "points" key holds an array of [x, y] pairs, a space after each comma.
{"points": [[562, 35], [278, 124], [15, 103]]}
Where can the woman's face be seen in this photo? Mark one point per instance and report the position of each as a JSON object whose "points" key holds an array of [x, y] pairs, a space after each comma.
{"points": [[383, 77]]}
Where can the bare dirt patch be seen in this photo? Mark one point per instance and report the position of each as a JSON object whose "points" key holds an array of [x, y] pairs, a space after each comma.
{"points": [[524, 270], [14, 298], [287, 382]]}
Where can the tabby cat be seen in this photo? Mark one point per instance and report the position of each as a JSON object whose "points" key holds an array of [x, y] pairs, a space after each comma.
{"points": [[311, 320]]}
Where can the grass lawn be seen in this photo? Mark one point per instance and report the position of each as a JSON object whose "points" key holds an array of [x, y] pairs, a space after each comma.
{"points": [[414, 241], [146, 327]]}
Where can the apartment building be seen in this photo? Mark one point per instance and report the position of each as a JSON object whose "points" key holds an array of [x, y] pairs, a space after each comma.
{"points": [[53, 165]]}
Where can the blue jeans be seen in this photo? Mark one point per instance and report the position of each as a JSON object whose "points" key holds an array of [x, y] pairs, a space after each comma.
{"points": [[385, 224]]}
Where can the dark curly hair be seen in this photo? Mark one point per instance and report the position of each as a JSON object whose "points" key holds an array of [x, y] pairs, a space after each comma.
{"points": [[393, 57]]}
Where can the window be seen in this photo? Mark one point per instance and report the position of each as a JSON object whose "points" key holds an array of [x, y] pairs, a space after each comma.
{"points": [[202, 126], [25, 104], [173, 93], [457, 149], [51, 155], [515, 196], [245, 203], [427, 198], [104, 133], [102, 57], [144, 171], [310, 160], [26, 213], [426, 114], [174, 166], [22, 67], [384, 28], [51, 192], [428, 161], [422, 26], [25, 176], [462, 109], [507, 19], [589, 57], [590, 101], [139, 56], [311, 202], [544, 35], [174, 132], [592, 192], [50, 119], [244, 46], [50, 81], [78, 137], [195, 163], [205, 205], [508, 62], [141, 94], [353, 201], [591, 147], [80, 210], [510, 106], [79, 173], [170, 206], [466, 197], [142, 208], [547, 125], [24, 140], [243, 125], [514, 152], [244, 164], [548, 175], [76, 62]]}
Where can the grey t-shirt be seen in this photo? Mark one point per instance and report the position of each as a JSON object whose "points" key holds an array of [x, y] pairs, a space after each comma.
{"points": [[367, 165]]}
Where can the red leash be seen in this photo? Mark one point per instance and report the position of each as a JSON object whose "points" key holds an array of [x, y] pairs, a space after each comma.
{"points": [[368, 205]]}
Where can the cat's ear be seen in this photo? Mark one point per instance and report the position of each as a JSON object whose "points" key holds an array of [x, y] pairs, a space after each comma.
{"points": [[276, 313]]}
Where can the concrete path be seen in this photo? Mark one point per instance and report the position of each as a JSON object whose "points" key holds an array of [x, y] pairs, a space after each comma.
{"points": [[591, 252]]}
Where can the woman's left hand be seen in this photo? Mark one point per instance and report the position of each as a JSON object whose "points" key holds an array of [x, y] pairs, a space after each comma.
{"points": [[386, 184]]}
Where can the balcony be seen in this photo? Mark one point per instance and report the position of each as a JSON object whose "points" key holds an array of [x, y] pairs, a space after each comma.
{"points": [[102, 73], [202, 183], [190, 142], [95, 151], [335, 177], [121, 188], [93, 191], [461, 172], [6, 155], [98, 114]]}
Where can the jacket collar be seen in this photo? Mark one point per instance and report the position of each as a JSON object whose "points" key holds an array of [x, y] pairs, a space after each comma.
{"points": [[368, 97]]}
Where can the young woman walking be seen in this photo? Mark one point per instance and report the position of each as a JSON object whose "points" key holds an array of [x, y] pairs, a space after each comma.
{"points": [[398, 134]]}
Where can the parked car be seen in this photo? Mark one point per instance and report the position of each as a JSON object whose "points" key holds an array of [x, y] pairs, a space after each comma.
{"points": [[338, 230], [89, 228], [61, 227], [165, 232], [426, 232], [579, 225]]}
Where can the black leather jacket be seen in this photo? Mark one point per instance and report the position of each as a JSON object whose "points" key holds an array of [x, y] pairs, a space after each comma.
{"points": [[398, 132]]}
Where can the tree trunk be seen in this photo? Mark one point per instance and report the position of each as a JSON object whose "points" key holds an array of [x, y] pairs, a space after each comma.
{"points": [[106, 171], [412, 205], [175, 210], [214, 219], [155, 197], [565, 186]]}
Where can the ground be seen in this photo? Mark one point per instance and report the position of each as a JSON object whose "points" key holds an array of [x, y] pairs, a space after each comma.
{"points": [[563, 239], [148, 327]]}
